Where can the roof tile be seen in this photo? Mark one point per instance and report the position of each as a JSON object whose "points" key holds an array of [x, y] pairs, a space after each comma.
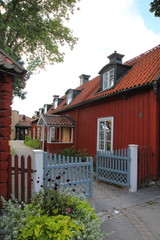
{"points": [[58, 120], [145, 69]]}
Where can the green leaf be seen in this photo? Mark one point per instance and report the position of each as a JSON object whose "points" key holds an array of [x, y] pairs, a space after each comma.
{"points": [[35, 32]]}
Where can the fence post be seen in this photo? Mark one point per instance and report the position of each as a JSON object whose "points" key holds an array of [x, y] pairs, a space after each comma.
{"points": [[133, 167], [38, 170]]}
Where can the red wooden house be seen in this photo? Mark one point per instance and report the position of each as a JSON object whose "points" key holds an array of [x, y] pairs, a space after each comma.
{"points": [[120, 106], [8, 70]]}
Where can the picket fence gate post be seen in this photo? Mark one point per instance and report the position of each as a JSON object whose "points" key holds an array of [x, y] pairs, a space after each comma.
{"points": [[133, 167], [38, 170]]}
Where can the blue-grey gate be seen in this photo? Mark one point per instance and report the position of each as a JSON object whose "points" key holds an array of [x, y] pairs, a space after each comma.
{"points": [[114, 166], [61, 171]]}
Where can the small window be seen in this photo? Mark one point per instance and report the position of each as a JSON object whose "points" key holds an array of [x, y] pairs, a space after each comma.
{"points": [[38, 132], [69, 97], [45, 109], [108, 79], [52, 134], [55, 103]]}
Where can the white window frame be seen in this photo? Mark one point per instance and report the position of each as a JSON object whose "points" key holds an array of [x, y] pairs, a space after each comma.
{"points": [[105, 131], [45, 109], [69, 97], [42, 133], [51, 131], [55, 103], [38, 132], [108, 79]]}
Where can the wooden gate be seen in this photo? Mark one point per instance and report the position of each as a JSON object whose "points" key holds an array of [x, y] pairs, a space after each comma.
{"points": [[20, 178], [114, 166], [145, 171], [61, 171]]}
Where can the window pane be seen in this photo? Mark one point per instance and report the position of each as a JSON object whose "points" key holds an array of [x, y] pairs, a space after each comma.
{"points": [[108, 136], [69, 97], [101, 135], [101, 145], [105, 80], [108, 146], [55, 104], [108, 79], [52, 134], [111, 82], [101, 125]]}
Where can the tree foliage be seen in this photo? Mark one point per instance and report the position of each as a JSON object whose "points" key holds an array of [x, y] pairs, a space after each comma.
{"points": [[155, 7], [35, 31]]}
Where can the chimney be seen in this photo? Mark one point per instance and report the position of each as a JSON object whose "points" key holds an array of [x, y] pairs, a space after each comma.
{"points": [[84, 78], [115, 57]]}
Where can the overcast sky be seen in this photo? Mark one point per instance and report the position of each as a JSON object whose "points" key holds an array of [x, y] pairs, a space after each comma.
{"points": [[102, 27]]}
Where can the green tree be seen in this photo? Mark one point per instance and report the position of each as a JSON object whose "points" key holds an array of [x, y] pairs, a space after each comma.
{"points": [[155, 7], [35, 31]]}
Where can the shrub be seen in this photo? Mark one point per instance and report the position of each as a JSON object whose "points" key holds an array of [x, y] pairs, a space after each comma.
{"points": [[44, 227], [72, 152], [51, 215], [32, 143], [13, 218]]}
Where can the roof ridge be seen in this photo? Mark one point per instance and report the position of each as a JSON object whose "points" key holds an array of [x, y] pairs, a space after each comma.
{"points": [[142, 54]]}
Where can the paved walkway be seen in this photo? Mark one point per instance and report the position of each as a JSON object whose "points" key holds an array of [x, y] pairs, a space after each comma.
{"points": [[129, 216], [20, 149]]}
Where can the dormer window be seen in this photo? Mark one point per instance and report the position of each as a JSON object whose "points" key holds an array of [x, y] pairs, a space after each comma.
{"points": [[69, 97], [108, 79], [112, 72], [71, 94], [45, 108], [55, 103]]}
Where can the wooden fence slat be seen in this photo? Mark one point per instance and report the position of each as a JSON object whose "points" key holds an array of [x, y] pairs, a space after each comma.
{"points": [[22, 173], [9, 176], [145, 157], [29, 176], [16, 180]]}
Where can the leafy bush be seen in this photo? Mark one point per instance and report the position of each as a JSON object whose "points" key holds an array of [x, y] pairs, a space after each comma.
{"points": [[44, 227], [51, 215], [13, 218], [72, 152], [32, 143]]}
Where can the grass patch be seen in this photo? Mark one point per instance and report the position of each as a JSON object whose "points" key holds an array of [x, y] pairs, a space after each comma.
{"points": [[32, 143]]}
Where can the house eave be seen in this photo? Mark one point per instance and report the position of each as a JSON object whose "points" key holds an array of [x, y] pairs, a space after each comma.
{"points": [[106, 96]]}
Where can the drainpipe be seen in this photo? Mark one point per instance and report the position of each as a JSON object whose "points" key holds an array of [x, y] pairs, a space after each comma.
{"points": [[155, 87]]}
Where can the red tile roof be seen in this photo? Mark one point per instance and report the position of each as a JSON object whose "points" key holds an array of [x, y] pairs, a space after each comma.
{"points": [[7, 64], [145, 69], [56, 120], [23, 124], [24, 121]]}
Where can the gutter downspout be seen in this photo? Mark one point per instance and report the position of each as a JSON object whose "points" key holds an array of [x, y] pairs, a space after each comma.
{"points": [[155, 87]]}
